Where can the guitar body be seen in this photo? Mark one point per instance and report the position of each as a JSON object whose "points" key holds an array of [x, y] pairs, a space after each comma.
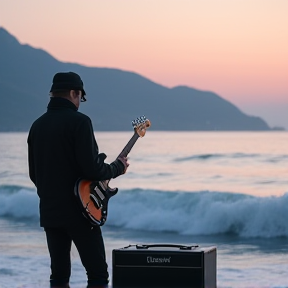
{"points": [[93, 196]]}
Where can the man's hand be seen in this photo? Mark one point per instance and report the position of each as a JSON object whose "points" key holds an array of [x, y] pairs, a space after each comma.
{"points": [[119, 166], [124, 161]]}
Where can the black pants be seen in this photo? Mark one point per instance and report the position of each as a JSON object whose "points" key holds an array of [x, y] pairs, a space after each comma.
{"points": [[90, 245]]}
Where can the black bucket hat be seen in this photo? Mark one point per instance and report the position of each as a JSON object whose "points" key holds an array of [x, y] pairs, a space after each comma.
{"points": [[68, 81]]}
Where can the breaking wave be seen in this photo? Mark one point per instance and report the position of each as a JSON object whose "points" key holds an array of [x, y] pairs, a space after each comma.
{"points": [[189, 213]]}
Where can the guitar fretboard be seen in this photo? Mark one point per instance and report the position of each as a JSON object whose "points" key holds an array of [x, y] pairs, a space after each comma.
{"points": [[126, 150]]}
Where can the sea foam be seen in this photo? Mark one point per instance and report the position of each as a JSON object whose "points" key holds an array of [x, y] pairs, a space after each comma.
{"points": [[200, 213], [18, 202], [190, 213]]}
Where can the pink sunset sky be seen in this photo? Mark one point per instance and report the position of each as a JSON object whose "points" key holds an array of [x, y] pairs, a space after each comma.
{"points": [[235, 48]]}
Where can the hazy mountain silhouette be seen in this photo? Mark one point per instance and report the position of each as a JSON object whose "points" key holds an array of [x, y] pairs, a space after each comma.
{"points": [[115, 97]]}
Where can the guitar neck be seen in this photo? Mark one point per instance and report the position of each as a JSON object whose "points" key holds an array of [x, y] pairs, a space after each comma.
{"points": [[126, 150]]}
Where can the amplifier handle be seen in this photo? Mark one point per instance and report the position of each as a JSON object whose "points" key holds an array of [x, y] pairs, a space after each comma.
{"points": [[181, 247]]}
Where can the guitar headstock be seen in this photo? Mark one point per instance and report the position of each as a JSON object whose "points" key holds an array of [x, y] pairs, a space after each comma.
{"points": [[140, 125]]}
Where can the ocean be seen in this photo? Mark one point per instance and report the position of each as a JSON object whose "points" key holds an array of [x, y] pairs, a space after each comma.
{"points": [[223, 189]]}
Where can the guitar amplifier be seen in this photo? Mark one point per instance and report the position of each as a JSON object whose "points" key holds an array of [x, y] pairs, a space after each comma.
{"points": [[164, 265]]}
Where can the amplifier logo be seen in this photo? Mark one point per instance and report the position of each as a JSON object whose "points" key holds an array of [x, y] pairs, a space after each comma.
{"points": [[151, 259]]}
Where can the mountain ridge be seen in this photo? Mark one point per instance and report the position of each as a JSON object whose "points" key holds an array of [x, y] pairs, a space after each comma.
{"points": [[115, 96]]}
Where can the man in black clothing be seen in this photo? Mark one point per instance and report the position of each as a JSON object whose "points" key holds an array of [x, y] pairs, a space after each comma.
{"points": [[61, 149]]}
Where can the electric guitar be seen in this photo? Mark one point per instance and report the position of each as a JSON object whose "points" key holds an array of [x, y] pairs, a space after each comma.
{"points": [[93, 196]]}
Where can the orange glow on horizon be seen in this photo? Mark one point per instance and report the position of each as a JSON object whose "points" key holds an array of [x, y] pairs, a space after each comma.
{"points": [[237, 49]]}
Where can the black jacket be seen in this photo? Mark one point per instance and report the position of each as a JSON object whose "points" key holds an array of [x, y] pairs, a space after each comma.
{"points": [[62, 148]]}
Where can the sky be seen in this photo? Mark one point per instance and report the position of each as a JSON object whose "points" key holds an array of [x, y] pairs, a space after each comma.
{"points": [[235, 48]]}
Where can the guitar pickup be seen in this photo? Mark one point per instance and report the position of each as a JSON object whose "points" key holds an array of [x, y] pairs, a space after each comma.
{"points": [[99, 193], [96, 201], [103, 185]]}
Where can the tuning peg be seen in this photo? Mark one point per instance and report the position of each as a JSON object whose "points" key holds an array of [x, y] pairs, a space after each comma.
{"points": [[138, 121]]}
